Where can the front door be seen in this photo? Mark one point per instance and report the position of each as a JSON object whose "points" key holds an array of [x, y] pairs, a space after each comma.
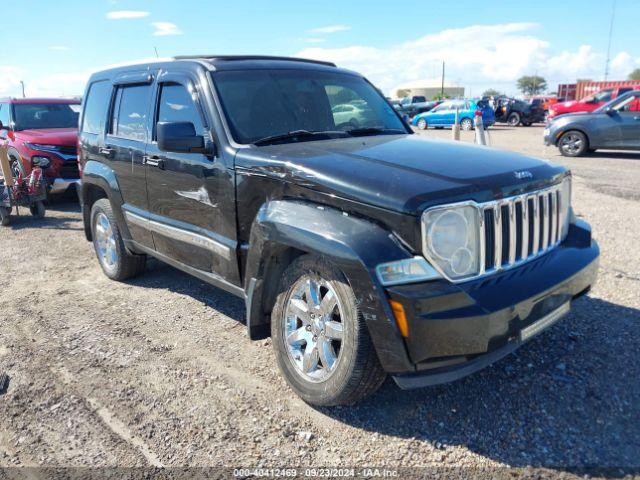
{"points": [[190, 193], [124, 150]]}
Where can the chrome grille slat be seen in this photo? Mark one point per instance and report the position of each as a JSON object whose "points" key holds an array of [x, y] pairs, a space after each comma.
{"points": [[512, 231], [553, 208], [524, 252], [536, 224], [482, 240], [545, 221], [497, 236]]}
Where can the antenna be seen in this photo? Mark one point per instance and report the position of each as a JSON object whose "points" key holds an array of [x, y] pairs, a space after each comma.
{"points": [[156, 50], [22, 84], [606, 66]]}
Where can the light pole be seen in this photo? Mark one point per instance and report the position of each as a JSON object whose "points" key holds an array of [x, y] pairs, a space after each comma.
{"points": [[22, 84]]}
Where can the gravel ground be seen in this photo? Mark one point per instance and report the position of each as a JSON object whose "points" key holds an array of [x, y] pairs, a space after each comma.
{"points": [[159, 371]]}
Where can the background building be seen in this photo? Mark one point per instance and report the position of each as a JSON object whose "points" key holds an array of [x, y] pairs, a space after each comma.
{"points": [[428, 88]]}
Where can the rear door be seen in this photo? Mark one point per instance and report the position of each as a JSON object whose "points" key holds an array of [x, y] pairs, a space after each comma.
{"points": [[188, 191], [124, 147]]}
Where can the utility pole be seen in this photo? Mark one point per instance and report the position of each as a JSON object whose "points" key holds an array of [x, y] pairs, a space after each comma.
{"points": [[606, 66], [156, 50], [442, 88], [22, 84]]}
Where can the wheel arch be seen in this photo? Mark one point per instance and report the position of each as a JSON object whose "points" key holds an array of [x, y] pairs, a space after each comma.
{"points": [[568, 129], [286, 229], [99, 181]]}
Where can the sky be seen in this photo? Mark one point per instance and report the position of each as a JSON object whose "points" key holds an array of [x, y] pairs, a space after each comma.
{"points": [[53, 46]]}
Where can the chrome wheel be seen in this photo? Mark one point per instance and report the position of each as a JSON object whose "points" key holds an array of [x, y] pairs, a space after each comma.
{"points": [[422, 124], [106, 246], [313, 328], [571, 143], [466, 124]]}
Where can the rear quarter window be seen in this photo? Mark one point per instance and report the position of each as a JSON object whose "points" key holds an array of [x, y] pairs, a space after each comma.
{"points": [[96, 107]]}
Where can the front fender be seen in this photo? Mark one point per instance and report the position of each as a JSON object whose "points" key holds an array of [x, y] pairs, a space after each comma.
{"points": [[356, 245]]}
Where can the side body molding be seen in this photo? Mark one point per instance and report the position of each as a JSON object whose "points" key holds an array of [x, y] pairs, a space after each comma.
{"points": [[356, 245]]}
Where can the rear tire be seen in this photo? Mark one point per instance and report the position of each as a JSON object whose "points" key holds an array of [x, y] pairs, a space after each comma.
{"points": [[116, 262], [573, 144], [422, 124], [321, 341], [513, 119]]}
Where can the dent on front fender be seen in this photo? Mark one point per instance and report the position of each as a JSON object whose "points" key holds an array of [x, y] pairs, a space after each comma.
{"points": [[356, 245]]}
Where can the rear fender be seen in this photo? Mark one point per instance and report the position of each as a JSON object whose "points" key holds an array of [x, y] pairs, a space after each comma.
{"points": [[96, 174], [354, 244]]}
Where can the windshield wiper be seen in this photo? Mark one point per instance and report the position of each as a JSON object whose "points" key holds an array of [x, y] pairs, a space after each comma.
{"points": [[297, 134], [355, 132]]}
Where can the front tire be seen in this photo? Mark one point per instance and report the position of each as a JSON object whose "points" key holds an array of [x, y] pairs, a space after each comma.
{"points": [[321, 341], [116, 262], [573, 144], [5, 216], [422, 124], [38, 210]]}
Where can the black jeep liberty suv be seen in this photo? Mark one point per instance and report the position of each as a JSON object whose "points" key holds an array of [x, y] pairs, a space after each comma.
{"points": [[360, 248]]}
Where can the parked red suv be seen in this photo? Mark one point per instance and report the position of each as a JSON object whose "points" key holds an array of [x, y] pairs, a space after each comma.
{"points": [[587, 104], [46, 127]]}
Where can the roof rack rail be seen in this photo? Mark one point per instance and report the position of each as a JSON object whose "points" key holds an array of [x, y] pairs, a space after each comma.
{"points": [[251, 57]]}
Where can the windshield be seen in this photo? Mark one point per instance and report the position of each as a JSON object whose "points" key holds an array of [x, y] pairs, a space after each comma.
{"points": [[624, 103], [28, 116], [603, 96], [266, 103]]}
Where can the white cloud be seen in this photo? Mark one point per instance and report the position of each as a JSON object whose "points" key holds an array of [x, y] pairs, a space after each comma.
{"points": [[59, 48], [477, 57], [315, 40], [165, 28], [126, 14], [330, 29]]}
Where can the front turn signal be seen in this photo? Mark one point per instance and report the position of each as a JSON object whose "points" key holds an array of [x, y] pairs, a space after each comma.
{"points": [[401, 317]]}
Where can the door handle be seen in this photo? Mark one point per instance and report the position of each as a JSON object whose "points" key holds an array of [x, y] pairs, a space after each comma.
{"points": [[153, 161]]}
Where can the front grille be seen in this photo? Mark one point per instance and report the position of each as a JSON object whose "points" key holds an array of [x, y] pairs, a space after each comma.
{"points": [[68, 150], [69, 170], [520, 228]]}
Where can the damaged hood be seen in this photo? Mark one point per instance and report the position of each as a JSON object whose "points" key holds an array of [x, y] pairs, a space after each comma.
{"points": [[404, 173]]}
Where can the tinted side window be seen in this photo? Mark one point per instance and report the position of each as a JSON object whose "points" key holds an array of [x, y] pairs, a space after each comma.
{"points": [[96, 106], [130, 112], [177, 105], [4, 114]]}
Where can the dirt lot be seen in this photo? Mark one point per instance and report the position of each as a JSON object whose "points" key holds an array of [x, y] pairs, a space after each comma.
{"points": [[159, 371]]}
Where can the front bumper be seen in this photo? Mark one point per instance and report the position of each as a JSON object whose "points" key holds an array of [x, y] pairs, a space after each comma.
{"points": [[61, 185], [456, 330]]}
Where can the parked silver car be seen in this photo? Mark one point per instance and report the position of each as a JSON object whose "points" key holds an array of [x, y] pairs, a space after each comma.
{"points": [[614, 126]]}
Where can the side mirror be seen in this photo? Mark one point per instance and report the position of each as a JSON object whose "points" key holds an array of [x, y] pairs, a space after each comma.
{"points": [[610, 111], [179, 137]]}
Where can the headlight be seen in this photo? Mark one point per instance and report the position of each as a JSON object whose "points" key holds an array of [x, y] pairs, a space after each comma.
{"points": [[405, 271], [40, 146], [565, 207], [450, 237]]}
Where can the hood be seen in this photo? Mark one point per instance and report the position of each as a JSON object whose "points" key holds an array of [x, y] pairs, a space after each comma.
{"points": [[404, 173], [64, 137]]}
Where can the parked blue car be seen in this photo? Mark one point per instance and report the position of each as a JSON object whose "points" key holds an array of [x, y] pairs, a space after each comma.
{"points": [[444, 114]]}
